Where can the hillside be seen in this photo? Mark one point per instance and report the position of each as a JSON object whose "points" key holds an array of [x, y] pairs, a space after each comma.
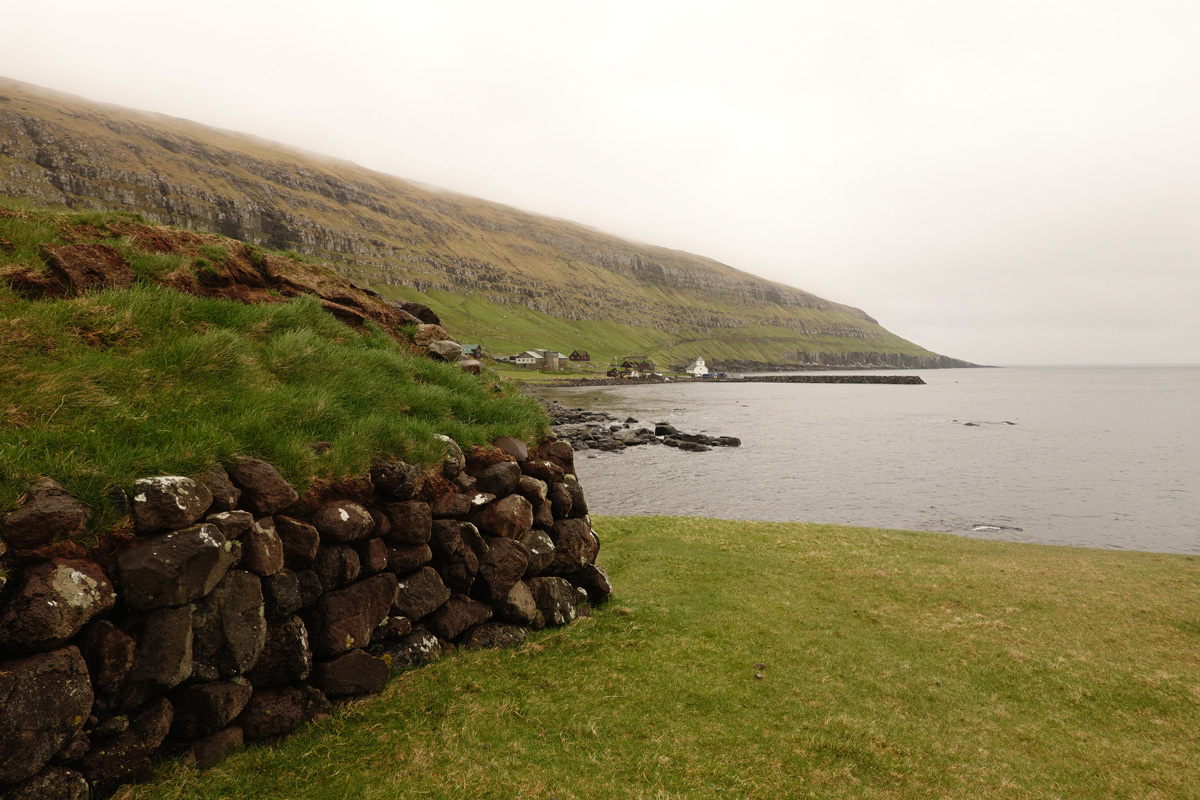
{"points": [[188, 350], [496, 274]]}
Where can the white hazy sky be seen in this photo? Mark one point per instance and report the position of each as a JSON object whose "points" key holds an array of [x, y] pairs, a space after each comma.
{"points": [[1010, 182]]}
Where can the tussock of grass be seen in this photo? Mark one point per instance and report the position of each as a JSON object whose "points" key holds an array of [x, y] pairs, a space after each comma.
{"points": [[114, 386], [896, 665]]}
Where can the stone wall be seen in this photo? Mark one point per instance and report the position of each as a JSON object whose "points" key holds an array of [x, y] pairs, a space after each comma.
{"points": [[235, 610]]}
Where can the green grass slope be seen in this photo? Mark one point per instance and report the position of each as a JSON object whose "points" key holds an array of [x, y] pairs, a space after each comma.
{"points": [[764, 660], [101, 389], [61, 151]]}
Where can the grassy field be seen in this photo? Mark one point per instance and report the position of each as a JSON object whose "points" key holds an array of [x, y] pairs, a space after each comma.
{"points": [[764, 660]]}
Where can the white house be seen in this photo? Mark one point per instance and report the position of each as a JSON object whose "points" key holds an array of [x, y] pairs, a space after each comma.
{"points": [[540, 359], [697, 368]]}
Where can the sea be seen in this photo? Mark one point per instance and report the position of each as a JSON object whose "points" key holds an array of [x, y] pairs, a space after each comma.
{"points": [[1104, 457]]}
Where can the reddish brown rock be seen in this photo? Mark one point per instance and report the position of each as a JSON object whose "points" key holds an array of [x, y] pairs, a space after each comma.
{"points": [[405, 559], [540, 548], [532, 489], [499, 479], [337, 566], [212, 749], [354, 673], [163, 656], [300, 542], [454, 560], [174, 568], [50, 602], [49, 513], [262, 549], [470, 366], [423, 313], [419, 594], [544, 471], [514, 447], [412, 522], [202, 709], [383, 525], [392, 628], [346, 618], [397, 480], [264, 491], [579, 506], [274, 712], [493, 635], [417, 648], [593, 580], [561, 454], [167, 501], [575, 546], [46, 699], [555, 599], [372, 556], [451, 505], [231, 524], [225, 495], [108, 652], [561, 501], [456, 615], [229, 628], [508, 517], [500, 568], [286, 657], [343, 522], [282, 595], [518, 605], [543, 516], [127, 758]]}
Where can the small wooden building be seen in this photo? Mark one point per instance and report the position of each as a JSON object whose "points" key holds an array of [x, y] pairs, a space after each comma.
{"points": [[580, 355]]}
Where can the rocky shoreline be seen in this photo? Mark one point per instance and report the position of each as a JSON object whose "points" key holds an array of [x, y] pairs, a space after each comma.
{"points": [[598, 430]]}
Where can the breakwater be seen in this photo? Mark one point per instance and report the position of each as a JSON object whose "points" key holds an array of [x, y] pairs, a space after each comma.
{"points": [[905, 380]]}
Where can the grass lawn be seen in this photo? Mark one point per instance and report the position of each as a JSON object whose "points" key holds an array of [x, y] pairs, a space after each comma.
{"points": [[767, 660]]}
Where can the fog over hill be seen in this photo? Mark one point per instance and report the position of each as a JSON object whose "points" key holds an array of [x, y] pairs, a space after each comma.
{"points": [[411, 241]]}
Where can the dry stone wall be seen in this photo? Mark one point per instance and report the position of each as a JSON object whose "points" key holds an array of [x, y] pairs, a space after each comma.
{"points": [[239, 610]]}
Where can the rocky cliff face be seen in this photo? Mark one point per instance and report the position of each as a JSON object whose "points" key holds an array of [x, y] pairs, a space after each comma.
{"points": [[57, 150]]}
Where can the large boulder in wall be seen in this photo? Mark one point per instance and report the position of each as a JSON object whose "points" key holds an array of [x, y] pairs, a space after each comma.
{"points": [[51, 602], [167, 501], [44, 701], [49, 513], [229, 627], [175, 568], [345, 619]]}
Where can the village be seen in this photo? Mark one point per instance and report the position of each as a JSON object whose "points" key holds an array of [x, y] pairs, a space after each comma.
{"points": [[631, 366]]}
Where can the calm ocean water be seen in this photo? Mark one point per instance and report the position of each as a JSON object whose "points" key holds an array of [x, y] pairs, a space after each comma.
{"points": [[1098, 456]]}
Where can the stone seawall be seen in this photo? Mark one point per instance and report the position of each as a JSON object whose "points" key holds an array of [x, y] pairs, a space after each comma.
{"points": [[903, 380], [234, 610]]}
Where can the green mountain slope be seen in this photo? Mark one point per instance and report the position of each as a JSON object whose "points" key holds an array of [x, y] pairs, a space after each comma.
{"points": [[504, 277]]}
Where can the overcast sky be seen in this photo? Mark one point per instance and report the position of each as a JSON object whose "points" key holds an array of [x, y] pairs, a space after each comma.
{"points": [[1011, 182]]}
